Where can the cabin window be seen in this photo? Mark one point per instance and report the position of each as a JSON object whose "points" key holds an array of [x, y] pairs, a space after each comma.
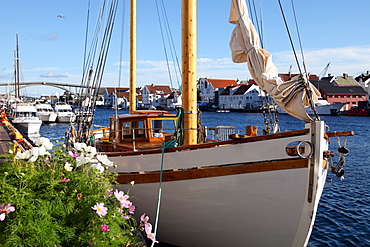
{"points": [[161, 127], [128, 127]]}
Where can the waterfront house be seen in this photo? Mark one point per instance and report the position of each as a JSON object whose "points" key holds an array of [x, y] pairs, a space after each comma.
{"points": [[241, 97], [364, 80], [153, 95], [343, 89], [174, 100], [210, 89], [116, 97]]}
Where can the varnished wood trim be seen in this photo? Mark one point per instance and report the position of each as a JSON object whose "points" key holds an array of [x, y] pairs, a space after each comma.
{"points": [[340, 133], [213, 144], [207, 172]]}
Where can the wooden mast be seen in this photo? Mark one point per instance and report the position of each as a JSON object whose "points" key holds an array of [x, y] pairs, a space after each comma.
{"points": [[132, 56], [189, 65]]}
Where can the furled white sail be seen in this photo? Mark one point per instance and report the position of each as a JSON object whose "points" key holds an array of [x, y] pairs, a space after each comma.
{"points": [[291, 95]]}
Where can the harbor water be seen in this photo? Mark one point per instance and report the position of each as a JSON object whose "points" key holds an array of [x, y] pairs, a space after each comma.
{"points": [[343, 217]]}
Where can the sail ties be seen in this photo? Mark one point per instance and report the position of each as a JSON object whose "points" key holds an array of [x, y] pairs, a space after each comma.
{"points": [[290, 96]]}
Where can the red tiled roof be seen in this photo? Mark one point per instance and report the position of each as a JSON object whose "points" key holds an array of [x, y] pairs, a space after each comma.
{"points": [[155, 89], [220, 83], [111, 90]]}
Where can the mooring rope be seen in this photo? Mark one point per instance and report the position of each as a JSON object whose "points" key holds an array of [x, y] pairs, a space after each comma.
{"points": [[165, 145]]}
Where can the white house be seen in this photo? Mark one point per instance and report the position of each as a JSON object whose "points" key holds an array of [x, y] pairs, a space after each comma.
{"points": [[116, 97], [241, 97], [210, 89], [156, 96]]}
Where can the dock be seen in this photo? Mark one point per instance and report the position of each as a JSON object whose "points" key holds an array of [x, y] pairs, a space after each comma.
{"points": [[9, 134], [4, 140]]}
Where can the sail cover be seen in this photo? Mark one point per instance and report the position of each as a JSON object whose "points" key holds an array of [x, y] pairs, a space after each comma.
{"points": [[291, 96]]}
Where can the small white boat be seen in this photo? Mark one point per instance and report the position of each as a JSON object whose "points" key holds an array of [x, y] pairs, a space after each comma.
{"points": [[323, 107], [25, 119], [46, 113], [64, 113]]}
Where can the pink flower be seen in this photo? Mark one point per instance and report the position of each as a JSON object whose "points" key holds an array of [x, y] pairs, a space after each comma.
{"points": [[131, 209], [73, 155], [144, 219], [148, 231], [100, 209], [65, 180], [122, 198], [105, 228], [5, 209]]}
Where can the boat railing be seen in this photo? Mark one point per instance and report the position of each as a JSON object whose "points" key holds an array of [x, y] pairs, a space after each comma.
{"points": [[221, 133], [218, 133]]}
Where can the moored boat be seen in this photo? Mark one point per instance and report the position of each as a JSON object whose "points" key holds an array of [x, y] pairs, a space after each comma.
{"points": [[218, 186], [25, 119], [355, 111], [64, 113], [46, 113]]}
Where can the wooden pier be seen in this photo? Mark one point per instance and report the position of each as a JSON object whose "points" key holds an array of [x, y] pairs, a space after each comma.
{"points": [[4, 140]]}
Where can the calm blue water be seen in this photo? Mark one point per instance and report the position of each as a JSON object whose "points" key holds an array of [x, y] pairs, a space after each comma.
{"points": [[343, 218]]}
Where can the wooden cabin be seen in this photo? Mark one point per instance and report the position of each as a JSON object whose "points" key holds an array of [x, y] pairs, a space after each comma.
{"points": [[139, 131]]}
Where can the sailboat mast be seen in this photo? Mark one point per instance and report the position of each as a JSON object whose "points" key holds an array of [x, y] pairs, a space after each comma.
{"points": [[16, 73], [189, 65], [132, 56]]}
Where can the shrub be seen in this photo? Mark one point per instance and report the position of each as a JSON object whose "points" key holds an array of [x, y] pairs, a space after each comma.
{"points": [[49, 197]]}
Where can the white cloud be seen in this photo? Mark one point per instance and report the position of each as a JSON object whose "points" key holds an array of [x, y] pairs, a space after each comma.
{"points": [[52, 75]]}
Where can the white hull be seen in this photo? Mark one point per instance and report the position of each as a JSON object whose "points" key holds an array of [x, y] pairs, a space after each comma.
{"points": [[262, 207], [48, 117], [25, 119], [321, 109], [64, 113], [27, 126], [65, 117], [46, 113], [330, 109]]}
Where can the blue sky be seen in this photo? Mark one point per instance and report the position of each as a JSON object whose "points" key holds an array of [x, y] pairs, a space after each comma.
{"points": [[51, 48]]}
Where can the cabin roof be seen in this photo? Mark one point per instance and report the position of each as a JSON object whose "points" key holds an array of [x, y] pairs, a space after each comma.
{"points": [[144, 114]]}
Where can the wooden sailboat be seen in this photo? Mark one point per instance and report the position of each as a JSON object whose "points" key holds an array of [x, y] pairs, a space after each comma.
{"points": [[235, 190]]}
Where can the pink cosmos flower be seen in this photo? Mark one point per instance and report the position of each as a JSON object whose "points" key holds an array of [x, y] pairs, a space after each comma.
{"points": [[65, 180], [73, 155], [100, 209], [144, 219], [131, 209], [122, 198], [148, 231], [105, 228], [5, 209]]}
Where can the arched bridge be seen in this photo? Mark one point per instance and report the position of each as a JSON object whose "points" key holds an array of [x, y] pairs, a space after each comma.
{"points": [[60, 85]]}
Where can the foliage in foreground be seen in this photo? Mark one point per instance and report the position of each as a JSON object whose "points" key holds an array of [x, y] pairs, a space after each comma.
{"points": [[59, 199]]}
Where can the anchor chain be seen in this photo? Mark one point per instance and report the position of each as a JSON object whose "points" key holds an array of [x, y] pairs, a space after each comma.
{"points": [[342, 151]]}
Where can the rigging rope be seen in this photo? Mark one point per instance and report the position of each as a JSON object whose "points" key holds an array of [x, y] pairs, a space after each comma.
{"points": [[161, 11]]}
